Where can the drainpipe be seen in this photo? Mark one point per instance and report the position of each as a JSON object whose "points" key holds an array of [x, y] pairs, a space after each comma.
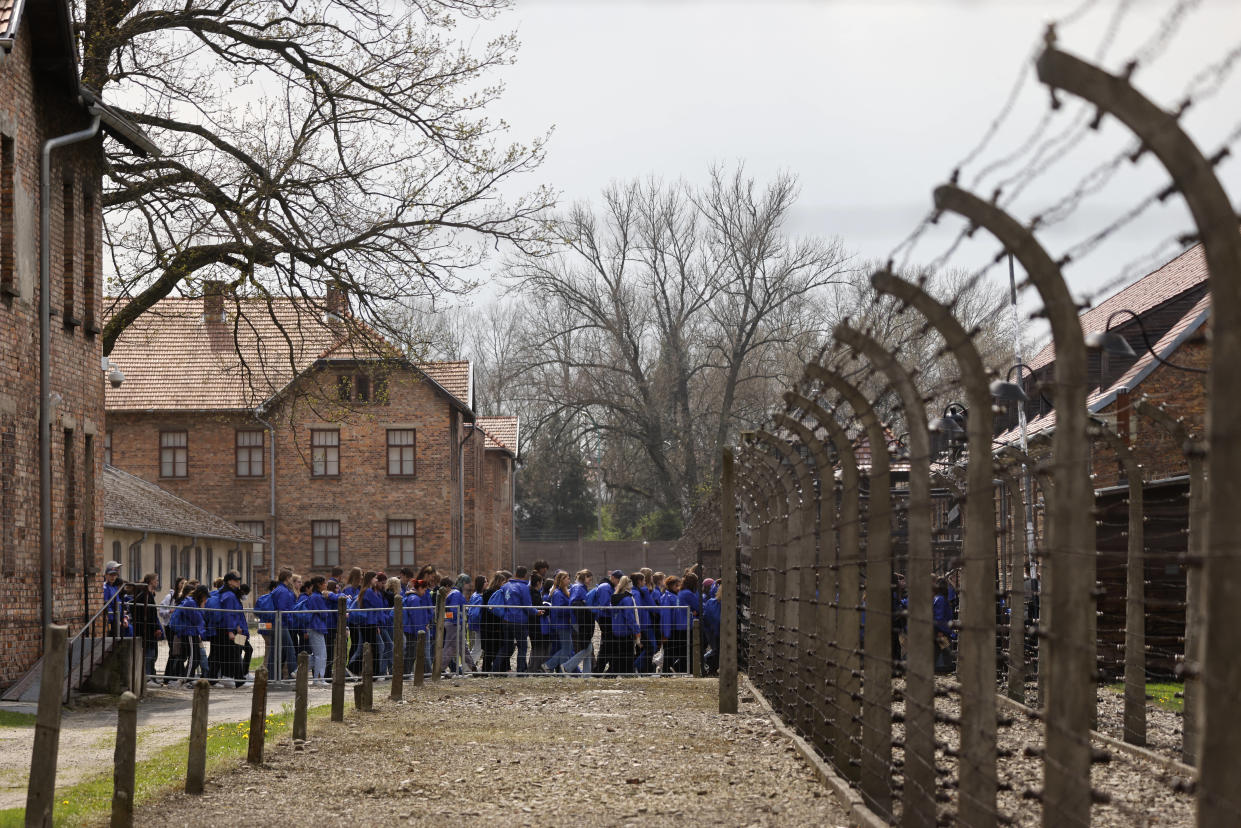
{"points": [[271, 476], [512, 486], [138, 543], [45, 359]]}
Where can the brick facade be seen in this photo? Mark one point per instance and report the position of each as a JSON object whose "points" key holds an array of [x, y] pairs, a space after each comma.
{"points": [[361, 499], [35, 106]]}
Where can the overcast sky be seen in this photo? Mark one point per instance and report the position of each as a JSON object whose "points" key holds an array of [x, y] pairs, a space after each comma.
{"points": [[870, 103]]}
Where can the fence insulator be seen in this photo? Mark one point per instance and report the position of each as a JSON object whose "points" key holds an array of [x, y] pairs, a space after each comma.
{"points": [[1099, 797], [1099, 756], [1032, 793], [1004, 721], [947, 718], [1032, 750], [1182, 785]]}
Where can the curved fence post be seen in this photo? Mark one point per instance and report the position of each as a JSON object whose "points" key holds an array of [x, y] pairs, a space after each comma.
{"points": [[729, 566], [918, 800], [1067, 620]]}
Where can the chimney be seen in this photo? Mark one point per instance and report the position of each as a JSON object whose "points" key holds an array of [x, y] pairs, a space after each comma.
{"points": [[213, 301], [337, 301]]}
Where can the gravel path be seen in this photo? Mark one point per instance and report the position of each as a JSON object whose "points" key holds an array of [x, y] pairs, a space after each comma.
{"points": [[528, 752]]}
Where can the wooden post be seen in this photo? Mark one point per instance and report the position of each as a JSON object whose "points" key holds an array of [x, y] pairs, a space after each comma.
{"points": [[123, 759], [258, 717], [697, 647], [728, 586], [368, 677], [341, 645], [196, 765], [437, 664], [41, 789], [398, 650], [420, 658], [299, 696]]}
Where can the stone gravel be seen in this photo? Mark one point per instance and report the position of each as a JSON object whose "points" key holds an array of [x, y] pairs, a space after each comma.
{"points": [[545, 752]]}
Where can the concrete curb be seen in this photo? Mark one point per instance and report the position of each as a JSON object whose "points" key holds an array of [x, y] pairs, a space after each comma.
{"points": [[858, 811]]}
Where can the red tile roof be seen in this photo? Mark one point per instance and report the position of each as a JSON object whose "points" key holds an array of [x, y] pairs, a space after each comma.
{"points": [[7, 20], [502, 432], [1155, 288], [175, 360]]}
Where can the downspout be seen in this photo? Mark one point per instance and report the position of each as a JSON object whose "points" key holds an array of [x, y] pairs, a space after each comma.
{"points": [[138, 543], [271, 476], [45, 358], [461, 489], [512, 482]]}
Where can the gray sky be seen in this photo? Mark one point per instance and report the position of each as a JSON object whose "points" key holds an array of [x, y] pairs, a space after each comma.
{"points": [[870, 103]]}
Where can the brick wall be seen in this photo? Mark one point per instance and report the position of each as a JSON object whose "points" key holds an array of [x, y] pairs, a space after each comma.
{"points": [[33, 109], [363, 498]]}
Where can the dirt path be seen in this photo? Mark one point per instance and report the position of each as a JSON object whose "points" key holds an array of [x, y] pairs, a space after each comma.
{"points": [[528, 752], [88, 735]]}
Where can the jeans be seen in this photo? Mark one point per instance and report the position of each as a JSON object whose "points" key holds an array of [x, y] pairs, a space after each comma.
{"points": [[451, 646], [521, 638], [582, 657], [318, 654], [564, 650], [385, 651], [288, 654], [150, 649]]}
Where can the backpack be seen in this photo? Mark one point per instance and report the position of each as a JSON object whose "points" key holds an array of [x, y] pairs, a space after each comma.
{"points": [[495, 604], [263, 611]]}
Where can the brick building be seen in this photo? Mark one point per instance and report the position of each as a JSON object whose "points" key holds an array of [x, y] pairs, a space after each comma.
{"points": [[375, 460], [40, 99]]}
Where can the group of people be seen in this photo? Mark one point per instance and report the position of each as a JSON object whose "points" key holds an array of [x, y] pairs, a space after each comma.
{"points": [[642, 621]]}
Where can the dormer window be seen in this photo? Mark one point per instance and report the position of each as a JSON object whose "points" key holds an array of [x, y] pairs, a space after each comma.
{"points": [[355, 388]]}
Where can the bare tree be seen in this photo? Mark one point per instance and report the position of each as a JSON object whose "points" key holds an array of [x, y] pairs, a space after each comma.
{"points": [[306, 143]]}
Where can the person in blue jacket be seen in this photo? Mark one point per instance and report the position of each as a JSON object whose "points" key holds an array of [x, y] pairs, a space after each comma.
{"points": [[299, 618], [283, 599], [560, 619], [944, 634], [114, 585], [518, 614], [583, 624], [265, 619], [212, 632], [187, 625], [474, 621], [415, 618], [673, 627], [234, 631], [687, 598], [319, 622], [711, 626], [603, 615], [454, 621], [373, 604], [626, 628]]}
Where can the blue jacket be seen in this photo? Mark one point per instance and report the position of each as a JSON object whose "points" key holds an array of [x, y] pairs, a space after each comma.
{"points": [[299, 620], [942, 610], [560, 616], [495, 604], [320, 620], [674, 617], [453, 608], [516, 596], [625, 618], [263, 610], [711, 621], [374, 600], [283, 599], [211, 617], [234, 616], [645, 598], [108, 591], [603, 598], [688, 598], [187, 619], [416, 615], [475, 611]]}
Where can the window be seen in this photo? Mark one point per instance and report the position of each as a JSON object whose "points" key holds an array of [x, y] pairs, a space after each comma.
{"points": [[250, 453], [71, 503], [325, 541], [185, 562], [401, 542], [401, 452], [88, 264], [210, 565], [173, 454], [159, 564], [359, 388], [8, 233], [325, 453], [135, 562], [344, 388], [362, 388], [116, 551], [68, 247], [198, 564], [107, 448]]}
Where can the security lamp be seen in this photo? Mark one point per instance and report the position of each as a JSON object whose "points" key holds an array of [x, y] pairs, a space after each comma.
{"points": [[1110, 342], [1006, 389], [115, 376], [951, 422]]}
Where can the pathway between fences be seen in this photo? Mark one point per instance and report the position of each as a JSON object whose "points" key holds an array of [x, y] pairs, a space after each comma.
{"points": [[527, 752]]}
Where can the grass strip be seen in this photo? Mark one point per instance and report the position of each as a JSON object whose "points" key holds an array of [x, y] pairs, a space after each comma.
{"points": [[1162, 693], [90, 802], [8, 718]]}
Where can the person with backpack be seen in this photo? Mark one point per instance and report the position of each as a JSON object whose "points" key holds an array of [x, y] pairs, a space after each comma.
{"points": [[454, 607], [492, 623], [626, 628]]}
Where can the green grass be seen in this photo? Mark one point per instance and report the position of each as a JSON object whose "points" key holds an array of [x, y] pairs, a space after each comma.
{"points": [[1162, 693], [10, 719], [90, 802]]}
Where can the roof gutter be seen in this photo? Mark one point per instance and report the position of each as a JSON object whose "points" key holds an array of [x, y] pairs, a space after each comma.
{"points": [[164, 530]]}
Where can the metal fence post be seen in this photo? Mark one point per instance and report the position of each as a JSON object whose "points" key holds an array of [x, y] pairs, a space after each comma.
{"points": [[728, 586], [41, 788], [340, 657]]}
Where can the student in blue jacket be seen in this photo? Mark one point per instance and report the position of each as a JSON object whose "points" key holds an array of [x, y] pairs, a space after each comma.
{"points": [[212, 632], [372, 602], [454, 622], [234, 631], [672, 626], [474, 622], [187, 625], [283, 599], [626, 628], [518, 614], [560, 619], [414, 618], [583, 624], [603, 615], [319, 621], [711, 626], [265, 618]]}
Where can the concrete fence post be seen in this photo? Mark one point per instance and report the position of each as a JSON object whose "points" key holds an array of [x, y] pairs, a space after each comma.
{"points": [[366, 701], [728, 587], [124, 758], [397, 690], [420, 658], [258, 718], [300, 696], [41, 788], [697, 648], [437, 662], [196, 764]]}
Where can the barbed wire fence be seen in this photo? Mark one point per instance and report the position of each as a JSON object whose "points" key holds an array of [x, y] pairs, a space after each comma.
{"points": [[882, 588]]}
